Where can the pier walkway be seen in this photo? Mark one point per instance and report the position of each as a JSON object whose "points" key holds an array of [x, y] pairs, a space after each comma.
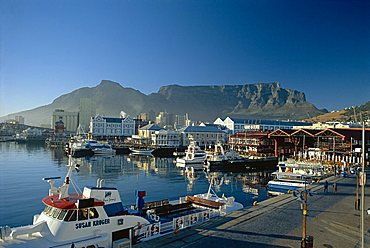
{"points": [[277, 222]]}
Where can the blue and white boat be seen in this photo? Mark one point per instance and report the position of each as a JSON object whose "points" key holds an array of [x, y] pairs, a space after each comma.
{"points": [[96, 217], [286, 181], [194, 156], [99, 148]]}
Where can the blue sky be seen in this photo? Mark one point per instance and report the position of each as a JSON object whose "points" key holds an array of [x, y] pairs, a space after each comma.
{"points": [[49, 48]]}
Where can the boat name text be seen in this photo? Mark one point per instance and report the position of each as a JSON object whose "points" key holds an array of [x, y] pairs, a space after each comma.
{"points": [[92, 223]]}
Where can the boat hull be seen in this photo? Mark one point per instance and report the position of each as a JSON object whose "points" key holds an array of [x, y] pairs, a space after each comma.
{"points": [[145, 152], [242, 165]]}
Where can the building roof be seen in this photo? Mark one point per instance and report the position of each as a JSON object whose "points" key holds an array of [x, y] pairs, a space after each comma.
{"points": [[151, 127], [198, 129], [270, 122], [256, 134], [355, 133], [344, 133], [113, 119]]}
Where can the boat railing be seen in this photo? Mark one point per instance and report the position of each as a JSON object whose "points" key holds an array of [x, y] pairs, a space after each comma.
{"points": [[154, 230]]}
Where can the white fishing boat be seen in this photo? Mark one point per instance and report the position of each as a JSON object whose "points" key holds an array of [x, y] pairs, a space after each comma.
{"points": [[313, 169], [284, 182], [231, 161], [146, 151], [96, 217], [194, 156], [99, 148]]}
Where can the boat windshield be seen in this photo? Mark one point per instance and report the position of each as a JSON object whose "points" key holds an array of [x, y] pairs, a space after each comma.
{"points": [[71, 214]]}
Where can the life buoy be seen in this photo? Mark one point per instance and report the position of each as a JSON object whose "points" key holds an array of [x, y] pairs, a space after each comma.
{"points": [[154, 229], [206, 216], [154, 217], [179, 223], [193, 219]]}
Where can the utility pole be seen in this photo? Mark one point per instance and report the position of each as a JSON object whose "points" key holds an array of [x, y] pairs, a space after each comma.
{"points": [[304, 227], [307, 241], [363, 181], [357, 200]]}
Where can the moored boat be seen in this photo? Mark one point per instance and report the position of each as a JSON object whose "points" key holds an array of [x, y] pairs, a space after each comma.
{"points": [[142, 151], [194, 156], [284, 182], [230, 161], [96, 217]]}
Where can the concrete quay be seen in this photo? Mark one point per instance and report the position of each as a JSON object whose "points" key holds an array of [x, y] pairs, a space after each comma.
{"points": [[277, 222]]}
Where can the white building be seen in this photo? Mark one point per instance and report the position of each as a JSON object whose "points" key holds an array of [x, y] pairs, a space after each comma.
{"points": [[70, 119], [244, 125], [101, 126], [203, 135], [168, 138], [145, 133], [87, 110], [148, 130], [321, 126], [19, 119]]}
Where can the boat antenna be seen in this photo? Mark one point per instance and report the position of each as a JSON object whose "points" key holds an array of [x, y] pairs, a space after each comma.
{"points": [[63, 190], [210, 186]]}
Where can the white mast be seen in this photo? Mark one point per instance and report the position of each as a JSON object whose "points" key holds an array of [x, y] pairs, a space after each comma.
{"points": [[63, 190]]}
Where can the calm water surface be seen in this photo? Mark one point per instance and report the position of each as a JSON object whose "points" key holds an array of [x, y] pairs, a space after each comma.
{"points": [[22, 167]]}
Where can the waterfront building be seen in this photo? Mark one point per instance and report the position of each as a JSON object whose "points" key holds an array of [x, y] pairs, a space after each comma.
{"points": [[19, 119], [145, 133], [338, 145], [112, 127], [30, 134], [59, 128], [148, 130], [87, 110], [254, 142], [70, 119], [331, 124], [139, 123], [242, 125], [203, 135], [166, 138]]}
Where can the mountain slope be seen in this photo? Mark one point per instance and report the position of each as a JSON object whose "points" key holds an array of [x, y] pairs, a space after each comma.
{"points": [[251, 100], [263, 100], [346, 115]]}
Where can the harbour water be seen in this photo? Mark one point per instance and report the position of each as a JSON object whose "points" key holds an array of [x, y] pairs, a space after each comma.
{"points": [[22, 167]]}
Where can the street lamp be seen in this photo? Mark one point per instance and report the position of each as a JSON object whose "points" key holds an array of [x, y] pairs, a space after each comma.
{"points": [[362, 182], [307, 241]]}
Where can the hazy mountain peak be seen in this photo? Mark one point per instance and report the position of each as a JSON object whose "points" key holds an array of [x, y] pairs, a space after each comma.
{"points": [[261, 100], [109, 83]]}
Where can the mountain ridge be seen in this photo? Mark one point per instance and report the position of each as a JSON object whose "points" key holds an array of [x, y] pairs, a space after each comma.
{"points": [[261, 100]]}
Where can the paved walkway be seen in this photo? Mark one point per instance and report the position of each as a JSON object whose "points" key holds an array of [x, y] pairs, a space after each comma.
{"points": [[277, 222]]}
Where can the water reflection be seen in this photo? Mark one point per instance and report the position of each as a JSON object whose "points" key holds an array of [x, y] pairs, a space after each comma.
{"points": [[190, 176], [58, 155], [22, 166], [149, 170]]}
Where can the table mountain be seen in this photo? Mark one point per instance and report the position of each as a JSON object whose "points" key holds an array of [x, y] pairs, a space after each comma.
{"points": [[262, 100]]}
